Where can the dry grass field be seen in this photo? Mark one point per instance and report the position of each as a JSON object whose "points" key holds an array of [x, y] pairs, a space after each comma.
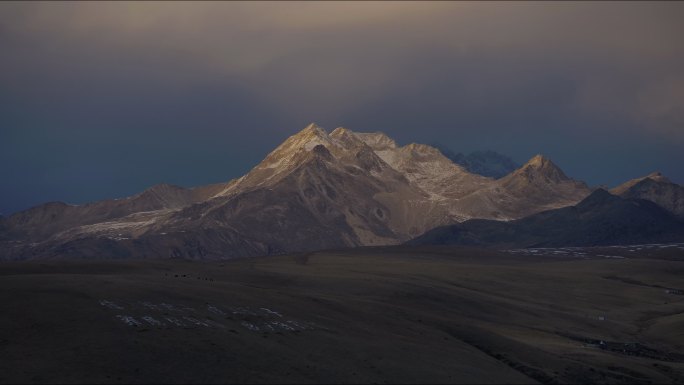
{"points": [[367, 315]]}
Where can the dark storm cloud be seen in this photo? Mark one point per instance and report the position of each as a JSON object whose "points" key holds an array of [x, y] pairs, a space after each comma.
{"points": [[103, 99]]}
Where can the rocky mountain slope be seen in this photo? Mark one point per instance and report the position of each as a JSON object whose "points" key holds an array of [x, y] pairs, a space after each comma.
{"points": [[599, 219], [54, 217], [536, 186], [316, 190], [655, 188], [486, 163]]}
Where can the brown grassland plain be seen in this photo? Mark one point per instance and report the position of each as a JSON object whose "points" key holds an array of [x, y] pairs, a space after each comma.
{"points": [[395, 314]]}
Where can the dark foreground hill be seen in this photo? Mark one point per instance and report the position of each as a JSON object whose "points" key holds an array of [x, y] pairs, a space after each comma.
{"points": [[387, 315], [599, 219]]}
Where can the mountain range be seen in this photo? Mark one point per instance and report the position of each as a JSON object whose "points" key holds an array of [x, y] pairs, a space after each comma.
{"points": [[316, 190], [600, 219]]}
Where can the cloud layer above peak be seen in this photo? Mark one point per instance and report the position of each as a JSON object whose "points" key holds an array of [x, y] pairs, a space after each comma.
{"points": [[602, 79]]}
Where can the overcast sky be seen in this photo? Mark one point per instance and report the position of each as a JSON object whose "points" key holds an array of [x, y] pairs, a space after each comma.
{"points": [[101, 100]]}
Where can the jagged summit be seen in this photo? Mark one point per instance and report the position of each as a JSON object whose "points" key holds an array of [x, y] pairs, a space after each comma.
{"points": [[342, 131], [279, 162], [309, 137], [541, 166], [655, 176], [538, 160], [656, 188], [313, 127], [347, 139], [422, 149], [377, 140]]}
